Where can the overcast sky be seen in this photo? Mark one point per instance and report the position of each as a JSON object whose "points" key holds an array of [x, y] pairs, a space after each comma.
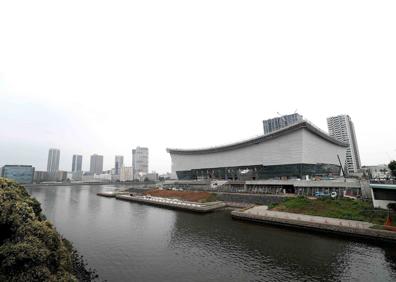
{"points": [[106, 76]]}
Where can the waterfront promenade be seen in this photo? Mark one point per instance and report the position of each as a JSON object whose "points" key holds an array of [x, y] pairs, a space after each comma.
{"points": [[351, 228]]}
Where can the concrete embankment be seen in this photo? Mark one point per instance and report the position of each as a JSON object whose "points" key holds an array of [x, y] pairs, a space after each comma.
{"points": [[350, 228], [173, 203], [111, 194]]}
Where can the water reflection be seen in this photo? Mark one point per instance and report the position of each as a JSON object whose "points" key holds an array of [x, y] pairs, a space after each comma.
{"points": [[251, 251], [390, 257]]}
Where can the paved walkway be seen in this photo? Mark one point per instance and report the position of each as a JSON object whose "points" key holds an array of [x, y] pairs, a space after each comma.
{"points": [[263, 211]]}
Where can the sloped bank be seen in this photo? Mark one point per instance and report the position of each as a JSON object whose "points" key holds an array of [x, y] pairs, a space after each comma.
{"points": [[30, 247]]}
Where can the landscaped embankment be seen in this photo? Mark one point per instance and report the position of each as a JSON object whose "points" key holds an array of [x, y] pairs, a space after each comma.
{"points": [[334, 208], [342, 216]]}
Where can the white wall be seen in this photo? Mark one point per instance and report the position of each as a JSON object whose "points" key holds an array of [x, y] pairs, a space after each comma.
{"points": [[282, 150], [299, 146], [318, 150], [382, 204]]}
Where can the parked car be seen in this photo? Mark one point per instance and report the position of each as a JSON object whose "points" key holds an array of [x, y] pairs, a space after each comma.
{"points": [[332, 195], [322, 195]]}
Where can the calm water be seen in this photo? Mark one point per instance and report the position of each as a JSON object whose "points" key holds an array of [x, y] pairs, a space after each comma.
{"points": [[125, 241]]}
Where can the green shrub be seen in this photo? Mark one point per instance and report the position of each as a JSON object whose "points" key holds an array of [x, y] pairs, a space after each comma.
{"points": [[30, 247]]}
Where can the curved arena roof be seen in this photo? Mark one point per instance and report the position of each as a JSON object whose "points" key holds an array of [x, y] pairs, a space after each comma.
{"points": [[260, 139]]}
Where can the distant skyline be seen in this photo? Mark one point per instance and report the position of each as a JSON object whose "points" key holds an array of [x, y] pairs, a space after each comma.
{"points": [[105, 77]]}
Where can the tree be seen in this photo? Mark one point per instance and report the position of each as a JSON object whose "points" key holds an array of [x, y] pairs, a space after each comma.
{"points": [[30, 247], [392, 167]]}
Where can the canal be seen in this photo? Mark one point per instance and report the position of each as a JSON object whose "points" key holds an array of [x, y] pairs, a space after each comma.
{"points": [[126, 241]]}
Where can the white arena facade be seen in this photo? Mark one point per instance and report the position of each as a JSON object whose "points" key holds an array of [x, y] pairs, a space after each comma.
{"points": [[292, 152]]}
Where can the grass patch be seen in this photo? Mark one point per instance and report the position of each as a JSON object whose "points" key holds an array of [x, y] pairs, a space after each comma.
{"points": [[377, 226], [339, 208], [211, 198]]}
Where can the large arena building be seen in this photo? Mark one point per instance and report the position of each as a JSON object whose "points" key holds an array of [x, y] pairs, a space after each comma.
{"points": [[292, 152]]}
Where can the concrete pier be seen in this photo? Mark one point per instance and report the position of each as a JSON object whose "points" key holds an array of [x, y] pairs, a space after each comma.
{"points": [[111, 194], [173, 203], [350, 228], [107, 194]]}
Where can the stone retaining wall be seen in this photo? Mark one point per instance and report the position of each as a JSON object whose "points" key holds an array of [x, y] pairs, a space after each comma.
{"points": [[366, 233], [259, 199]]}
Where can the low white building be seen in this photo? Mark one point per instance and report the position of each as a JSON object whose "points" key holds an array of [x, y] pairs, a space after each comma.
{"points": [[153, 176], [167, 175], [378, 171], [77, 175], [103, 176], [383, 194]]}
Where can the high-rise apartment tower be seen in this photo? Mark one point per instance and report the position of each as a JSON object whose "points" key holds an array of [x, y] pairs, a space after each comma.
{"points": [[119, 163], [53, 160], [140, 159], [96, 164], [341, 128], [77, 163]]}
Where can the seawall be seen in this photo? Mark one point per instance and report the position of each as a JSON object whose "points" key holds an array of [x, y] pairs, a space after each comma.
{"points": [[348, 228]]}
